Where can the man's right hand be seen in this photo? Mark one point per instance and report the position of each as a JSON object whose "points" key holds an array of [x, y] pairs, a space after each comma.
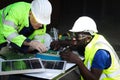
{"points": [[36, 45], [55, 45]]}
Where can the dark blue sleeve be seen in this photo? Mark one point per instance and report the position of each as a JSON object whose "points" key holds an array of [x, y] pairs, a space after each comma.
{"points": [[102, 60], [23, 48]]}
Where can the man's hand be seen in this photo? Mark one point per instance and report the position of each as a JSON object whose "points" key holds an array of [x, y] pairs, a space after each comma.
{"points": [[55, 45], [70, 56], [38, 46]]}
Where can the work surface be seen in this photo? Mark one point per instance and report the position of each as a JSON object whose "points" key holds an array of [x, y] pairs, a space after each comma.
{"points": [[49, 74], [52, 74]]}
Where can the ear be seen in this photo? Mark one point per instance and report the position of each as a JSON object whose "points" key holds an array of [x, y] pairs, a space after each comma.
{"points": [[88, 39]]}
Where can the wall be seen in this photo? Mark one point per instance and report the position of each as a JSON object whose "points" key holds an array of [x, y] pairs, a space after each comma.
{"points": [[106, 13]]}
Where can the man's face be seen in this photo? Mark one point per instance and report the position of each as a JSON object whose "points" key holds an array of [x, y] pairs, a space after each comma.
{"points": [[34, 23], [81, 39]]}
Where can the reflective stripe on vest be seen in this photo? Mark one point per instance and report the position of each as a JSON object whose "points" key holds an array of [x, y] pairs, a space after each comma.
{"points": [[7, 22], [109, 75], [114, 74], [99, 42], [11, 36], [105, 75], [10, 23]]}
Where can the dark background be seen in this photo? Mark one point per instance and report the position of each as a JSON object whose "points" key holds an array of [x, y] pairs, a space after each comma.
{"points": [[106, 13]]}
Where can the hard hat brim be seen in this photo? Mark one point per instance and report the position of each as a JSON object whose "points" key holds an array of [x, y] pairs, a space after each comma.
{"points": [[42, 20], [73, 30]]}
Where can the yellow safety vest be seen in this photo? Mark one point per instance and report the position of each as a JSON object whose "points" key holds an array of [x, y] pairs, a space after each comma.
{"points": [[38, 32], [99, 42]]}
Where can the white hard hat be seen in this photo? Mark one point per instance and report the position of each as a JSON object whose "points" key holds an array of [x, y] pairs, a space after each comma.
{"points": [[84, 24], [42, 10]]}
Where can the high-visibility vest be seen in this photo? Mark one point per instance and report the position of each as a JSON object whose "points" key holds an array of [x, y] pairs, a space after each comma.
{"points": [[99, 42], [14, 18], [38, 32]]}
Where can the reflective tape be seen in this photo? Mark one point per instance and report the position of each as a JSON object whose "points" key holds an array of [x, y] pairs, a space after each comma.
{"points": [[8, 22], [114, 74], [111, 75], [11, 36]]}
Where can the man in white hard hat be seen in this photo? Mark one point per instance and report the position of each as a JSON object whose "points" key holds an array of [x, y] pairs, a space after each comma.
{"points": [[21, 22], [100, 59]]}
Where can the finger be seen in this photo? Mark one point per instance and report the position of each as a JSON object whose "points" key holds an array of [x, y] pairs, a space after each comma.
{"points": [[43, 49], [39, 50], [56, 47]]}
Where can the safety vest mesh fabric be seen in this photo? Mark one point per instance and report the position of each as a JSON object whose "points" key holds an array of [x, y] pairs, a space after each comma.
{"points": [[99, 42]]}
